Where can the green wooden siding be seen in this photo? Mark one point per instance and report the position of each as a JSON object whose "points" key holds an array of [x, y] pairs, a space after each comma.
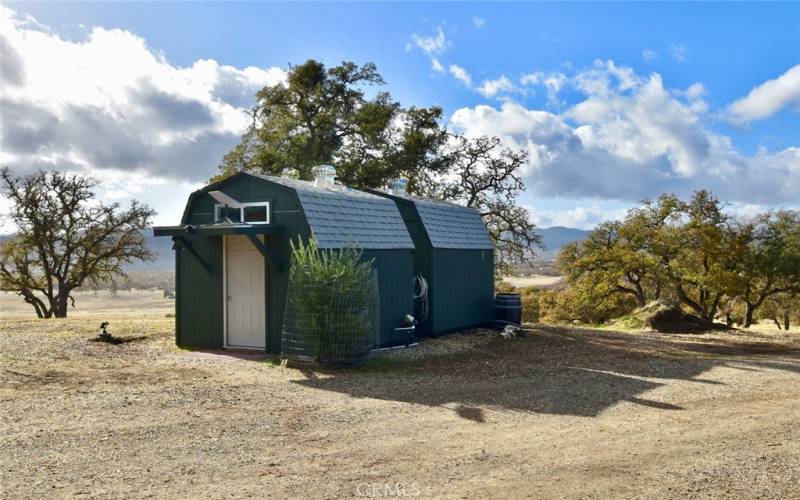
{"points": [[199, 313], [463, 288], [395, 270], [199, 300], [460, 281], [198, 308], [423, 256]]}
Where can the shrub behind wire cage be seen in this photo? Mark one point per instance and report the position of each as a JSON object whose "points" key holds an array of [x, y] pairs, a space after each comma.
{"points": [[332, 306]]}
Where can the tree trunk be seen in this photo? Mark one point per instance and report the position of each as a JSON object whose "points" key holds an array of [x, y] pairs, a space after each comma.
{"points": [[778, 323], [641, 300], [641, 297], [748, 315], [786, 322], [60, 310], [712, 313], [685, 299], [38, 305], [751, 309]]}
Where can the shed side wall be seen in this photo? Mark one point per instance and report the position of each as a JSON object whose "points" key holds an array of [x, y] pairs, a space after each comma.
{"points": [[395, 270], [464, 288]]}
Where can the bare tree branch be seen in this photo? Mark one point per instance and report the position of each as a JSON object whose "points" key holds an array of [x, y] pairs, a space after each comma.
{"points": [[64, 241]]}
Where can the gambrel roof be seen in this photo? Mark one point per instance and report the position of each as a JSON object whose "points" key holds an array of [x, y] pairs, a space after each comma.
{"points": [[338, 214], [449, 225]]}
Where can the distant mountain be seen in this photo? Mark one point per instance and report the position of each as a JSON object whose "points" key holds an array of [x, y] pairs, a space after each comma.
{"points": [[161, 248], [553, 238], [556, 237]]}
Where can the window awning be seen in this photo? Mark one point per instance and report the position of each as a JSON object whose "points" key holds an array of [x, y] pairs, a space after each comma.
{"points": [[218, 229]]}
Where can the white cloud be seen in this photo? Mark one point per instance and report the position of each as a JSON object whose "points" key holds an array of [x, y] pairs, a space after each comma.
{"points": [[581, 217], [437, 66], [553, 83], [111, 106], [429, 44], [678, 52], [501, 85], [6, 225], [695, 91], [649, 55], [768, 98], [478, 22], [461, 75], [631, 137]]}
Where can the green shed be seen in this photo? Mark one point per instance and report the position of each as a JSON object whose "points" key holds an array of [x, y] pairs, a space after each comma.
{"points": [[232, 254], [455, 256]]}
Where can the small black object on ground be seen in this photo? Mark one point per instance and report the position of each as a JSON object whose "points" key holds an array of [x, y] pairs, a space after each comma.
{"points": [[106, 337]]}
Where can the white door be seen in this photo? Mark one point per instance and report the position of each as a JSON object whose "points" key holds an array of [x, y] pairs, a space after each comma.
{"points": [[245, 291]]}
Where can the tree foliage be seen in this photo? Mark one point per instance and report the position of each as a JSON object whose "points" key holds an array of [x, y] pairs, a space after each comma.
{"points": [[771, 264], [613, 260], [488, 177], [324, 115], [691, 251], [782, 309], [64, 240]]}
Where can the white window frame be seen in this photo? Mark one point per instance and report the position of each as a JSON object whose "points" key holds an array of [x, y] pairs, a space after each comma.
{"points": [[217, 206]]}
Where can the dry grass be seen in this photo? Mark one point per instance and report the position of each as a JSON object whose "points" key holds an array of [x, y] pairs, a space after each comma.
{"points": [[561, 412], [95, 304], [539, 281]]}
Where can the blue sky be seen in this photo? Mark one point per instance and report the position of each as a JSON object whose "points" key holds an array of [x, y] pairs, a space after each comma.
{"points": [[636, 99]]}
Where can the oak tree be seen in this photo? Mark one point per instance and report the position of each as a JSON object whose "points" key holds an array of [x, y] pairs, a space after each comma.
{"points": [[486, 176], [771, 264], [332, 115], [65, 240], [323, 115]]}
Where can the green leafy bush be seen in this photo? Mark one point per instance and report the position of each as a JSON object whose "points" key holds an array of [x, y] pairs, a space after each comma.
{"points": [[569, 305], [530, 304], [332, 304]]}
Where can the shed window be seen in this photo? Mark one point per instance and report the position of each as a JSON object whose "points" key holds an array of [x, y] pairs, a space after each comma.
{"points": [[249, 213], [255, 214], [221, 212]]}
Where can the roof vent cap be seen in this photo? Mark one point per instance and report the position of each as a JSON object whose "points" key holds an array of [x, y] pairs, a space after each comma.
{"points": [[397, 186], [324, 175]]}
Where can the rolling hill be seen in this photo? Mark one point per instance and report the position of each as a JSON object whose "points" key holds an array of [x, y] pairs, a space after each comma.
{"points": [[553, 238], [556, 237]]}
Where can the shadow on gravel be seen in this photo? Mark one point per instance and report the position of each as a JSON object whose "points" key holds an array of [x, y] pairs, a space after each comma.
{"points": [[562, 371], [110, 339]]}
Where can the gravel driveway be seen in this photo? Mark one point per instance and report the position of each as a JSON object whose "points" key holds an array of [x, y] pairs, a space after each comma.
{"points": [[561, 412]]}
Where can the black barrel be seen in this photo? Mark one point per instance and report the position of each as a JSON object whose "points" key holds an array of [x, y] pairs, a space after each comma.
{"points": [[507, 309]]}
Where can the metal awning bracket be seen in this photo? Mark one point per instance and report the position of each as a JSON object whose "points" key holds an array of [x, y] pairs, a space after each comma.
{"points": [[268, 254]]}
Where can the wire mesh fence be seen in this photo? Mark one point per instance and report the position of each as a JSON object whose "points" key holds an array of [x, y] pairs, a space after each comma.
{"points": [[332, 312], [331, 323]]}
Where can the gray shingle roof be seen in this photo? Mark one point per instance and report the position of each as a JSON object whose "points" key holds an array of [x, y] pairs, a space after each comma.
{"points": [[338, 215], [450, 225]]}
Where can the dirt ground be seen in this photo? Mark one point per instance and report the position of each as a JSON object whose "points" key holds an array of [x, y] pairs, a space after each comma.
{"points": [[560, 412]]}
